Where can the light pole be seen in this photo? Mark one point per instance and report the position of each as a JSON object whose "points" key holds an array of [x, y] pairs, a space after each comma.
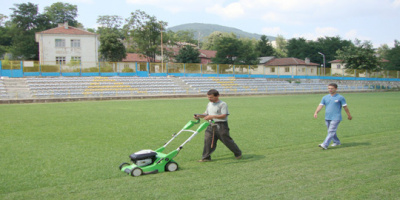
{"points": [[324, 61], [162, 55]]}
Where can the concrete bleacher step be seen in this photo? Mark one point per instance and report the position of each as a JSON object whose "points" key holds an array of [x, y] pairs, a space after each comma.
{"points": [[17, 88], [182, 84]]}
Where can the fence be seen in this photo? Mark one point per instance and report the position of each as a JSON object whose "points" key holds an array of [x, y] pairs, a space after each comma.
{"points": [[74, 68]]}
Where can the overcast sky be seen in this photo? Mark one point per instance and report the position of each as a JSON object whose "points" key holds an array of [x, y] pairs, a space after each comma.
{"points": [[377, 21]]}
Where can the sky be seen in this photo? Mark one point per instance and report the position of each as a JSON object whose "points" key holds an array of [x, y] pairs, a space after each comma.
{"points": [[377, 21]]}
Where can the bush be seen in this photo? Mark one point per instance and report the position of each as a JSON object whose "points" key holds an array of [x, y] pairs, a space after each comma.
{"points": [[50, 68], [91, 69], [127, 69]]}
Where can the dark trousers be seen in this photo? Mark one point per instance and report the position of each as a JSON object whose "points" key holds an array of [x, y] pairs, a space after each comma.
{"points": [[220, 131]]}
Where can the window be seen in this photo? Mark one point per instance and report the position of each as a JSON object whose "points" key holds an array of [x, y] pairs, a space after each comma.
{"points": [[303, 69], [60, 43], [75, 43], [338, 66], [287, 69], [60, 60], [76, 58], [272, 69]]}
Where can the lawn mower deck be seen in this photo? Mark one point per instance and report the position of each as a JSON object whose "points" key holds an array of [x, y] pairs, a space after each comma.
{"points": [[150, 162]]}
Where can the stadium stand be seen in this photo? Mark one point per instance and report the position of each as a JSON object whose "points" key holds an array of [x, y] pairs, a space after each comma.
{"points": [[3, 90], [36, 88], [257, 85], [101, 86]]}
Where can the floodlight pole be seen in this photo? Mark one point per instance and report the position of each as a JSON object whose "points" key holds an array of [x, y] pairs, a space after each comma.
{"points": [[323, 55], [162, 55]]}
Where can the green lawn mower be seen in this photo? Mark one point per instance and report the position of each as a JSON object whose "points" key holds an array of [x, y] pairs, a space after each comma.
{"points": [[150, 162]]}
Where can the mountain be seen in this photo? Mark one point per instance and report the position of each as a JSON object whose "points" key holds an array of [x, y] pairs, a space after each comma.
{"points": [[206, 29]]}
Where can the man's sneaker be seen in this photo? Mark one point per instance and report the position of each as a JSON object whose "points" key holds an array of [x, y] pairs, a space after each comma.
{"points": [[204, 160], [323, 146], [335, 144], [238, 157]]}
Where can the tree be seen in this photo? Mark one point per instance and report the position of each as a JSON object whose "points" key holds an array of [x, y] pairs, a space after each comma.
{"points": [[300, 48], [110, 21], [5, 37], [281, 47], [25, 21], [110, 24], [143, 34], [234, 51], [111, 47], [188, 54], [248, 54], [3, 19], [182, 36], [360, 56], [212, 40], [62, 12], [393, 56], [328, 46], [264, 48]]}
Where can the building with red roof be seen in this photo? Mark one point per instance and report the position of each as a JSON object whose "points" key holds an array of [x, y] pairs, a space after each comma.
{"points": [[65, 43], [290, 66]]}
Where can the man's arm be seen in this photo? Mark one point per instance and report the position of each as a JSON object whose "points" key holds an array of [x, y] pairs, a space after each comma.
{"points": [[210, 117], [347, 112], [317, 110]]}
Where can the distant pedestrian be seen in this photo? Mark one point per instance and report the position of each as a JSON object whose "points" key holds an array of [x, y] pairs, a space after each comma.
{"points": [[333, 103], [217, 111]]}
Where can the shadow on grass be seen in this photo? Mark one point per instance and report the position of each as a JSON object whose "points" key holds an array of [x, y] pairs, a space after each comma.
{"points": [[351, 144], [354, 144], [245, 157]]}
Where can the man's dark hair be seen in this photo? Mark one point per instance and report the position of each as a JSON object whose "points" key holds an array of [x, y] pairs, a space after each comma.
{"points": [[333, 84], [213, 92]]}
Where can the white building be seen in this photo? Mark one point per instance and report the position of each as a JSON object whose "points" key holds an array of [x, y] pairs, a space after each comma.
{"points": [[64, 44]]}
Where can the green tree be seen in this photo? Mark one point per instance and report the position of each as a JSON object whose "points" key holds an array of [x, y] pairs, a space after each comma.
{"points": [[328, 46], [183, 36], [110, 24], [143, 34], [111, 47], [234, 51], [360, 56], [264, 48], [25, 21], [62, 12], [393, 56], [3, 19], [300, 48], [212, 40], [188, 54], [5, 37], [281, 47]]}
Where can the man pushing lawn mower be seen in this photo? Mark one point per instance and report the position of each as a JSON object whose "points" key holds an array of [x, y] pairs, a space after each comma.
{"points": [[217, 111]]}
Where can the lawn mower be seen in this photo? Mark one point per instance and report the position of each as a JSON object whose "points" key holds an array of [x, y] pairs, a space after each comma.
{"points": [[150, 162]]}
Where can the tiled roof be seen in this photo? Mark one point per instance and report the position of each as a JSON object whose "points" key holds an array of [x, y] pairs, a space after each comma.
{"points": [[69, 31], [288, 62], [207, 53], [265, 59], [336, 61], [135, 57], [340, 61], [203, 53]]}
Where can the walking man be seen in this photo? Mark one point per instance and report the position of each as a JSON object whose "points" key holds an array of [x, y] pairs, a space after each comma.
{"points": [[217, 111], [333, 103]]}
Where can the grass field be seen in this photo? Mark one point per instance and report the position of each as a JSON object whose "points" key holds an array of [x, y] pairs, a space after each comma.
{"points": [[73, 150]]}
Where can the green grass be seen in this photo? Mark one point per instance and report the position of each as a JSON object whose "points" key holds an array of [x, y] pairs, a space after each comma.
{"points": [[73, 150]]}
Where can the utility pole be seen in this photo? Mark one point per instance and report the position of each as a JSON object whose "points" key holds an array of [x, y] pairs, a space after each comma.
{"points": [[162, 55], [324, 61]]}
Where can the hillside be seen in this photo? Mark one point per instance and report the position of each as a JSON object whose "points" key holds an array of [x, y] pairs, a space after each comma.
{"points": [[206, 29]]}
